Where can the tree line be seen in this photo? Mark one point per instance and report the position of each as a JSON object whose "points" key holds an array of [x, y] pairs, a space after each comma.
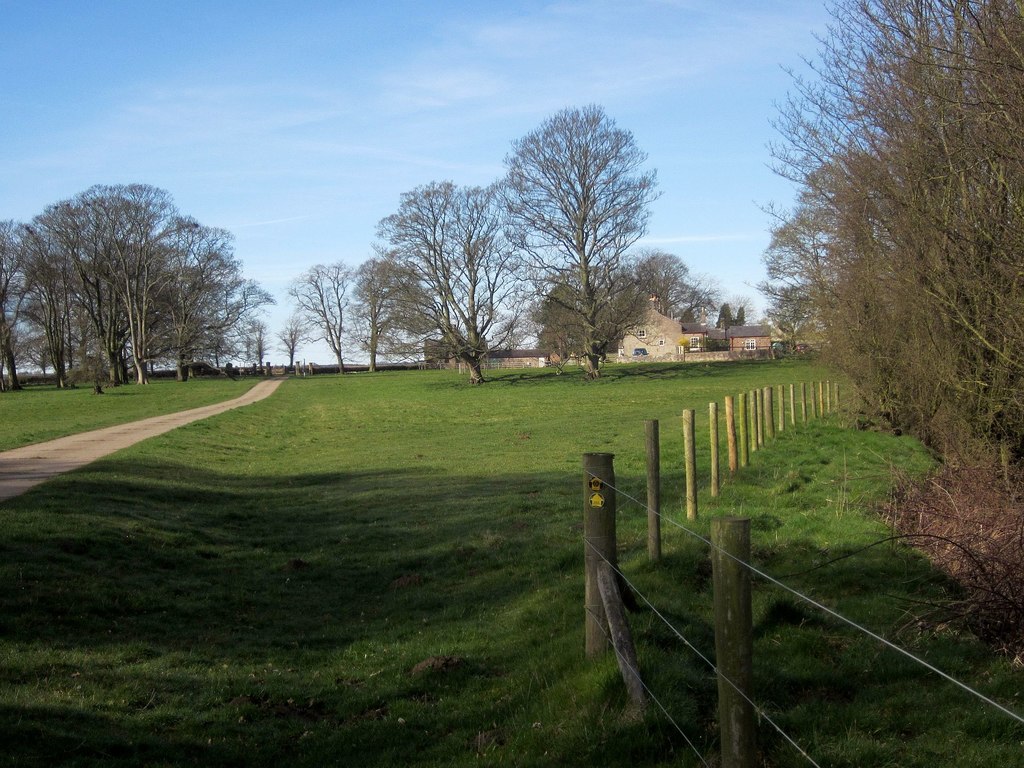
{"points": [[906, 245], [545, 253], [101, 286], [114, 280]]}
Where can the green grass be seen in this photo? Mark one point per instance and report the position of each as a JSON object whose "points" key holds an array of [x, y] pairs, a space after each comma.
{"points": [[257, 588], [34, 413]]}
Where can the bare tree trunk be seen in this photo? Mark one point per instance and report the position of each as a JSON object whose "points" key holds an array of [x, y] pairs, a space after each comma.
{"points": [[476, 376], [12, 370], [374, 340], [592, 360]]}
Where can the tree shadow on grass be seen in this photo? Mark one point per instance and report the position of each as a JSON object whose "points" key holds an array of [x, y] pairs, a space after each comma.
{"points": [[133, 574], [130, 545]]}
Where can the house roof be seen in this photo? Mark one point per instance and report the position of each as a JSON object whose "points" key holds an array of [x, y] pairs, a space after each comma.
{"points": [[739, 331], [733, 332], [514, 353]]}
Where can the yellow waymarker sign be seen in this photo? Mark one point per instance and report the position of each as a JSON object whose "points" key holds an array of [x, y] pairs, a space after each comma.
{"points": [[596, 484], [597, 500]]}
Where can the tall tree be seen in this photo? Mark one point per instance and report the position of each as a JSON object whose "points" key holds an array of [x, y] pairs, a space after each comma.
{"points": [[559, 331], [677, 292], [322, 297], [374, 313], [78, 229], [208, 297], [140, 225], [725, 318], [256, 340], [234, 306], [12, 295], [909, 230], [458, 277], [291, 335], [578, 197], [49, 297]]}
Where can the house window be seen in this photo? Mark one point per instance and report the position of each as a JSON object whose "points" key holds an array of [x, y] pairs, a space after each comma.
{"points": [[661, 342], [694, 342], [750, 344], [641, 333]]}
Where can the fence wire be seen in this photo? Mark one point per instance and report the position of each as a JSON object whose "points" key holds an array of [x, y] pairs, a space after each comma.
{"points": [[824, 608], [636, 674], [760, 712]]}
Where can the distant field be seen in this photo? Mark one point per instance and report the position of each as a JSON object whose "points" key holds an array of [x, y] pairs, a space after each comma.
{"points": [[39, 413], [386, 569]]}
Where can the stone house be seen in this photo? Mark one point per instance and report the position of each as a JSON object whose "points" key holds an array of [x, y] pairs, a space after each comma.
{"points": [[658, 338]]}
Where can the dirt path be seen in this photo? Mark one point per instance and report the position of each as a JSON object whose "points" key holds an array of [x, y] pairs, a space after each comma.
{"points": [[23, 468]]}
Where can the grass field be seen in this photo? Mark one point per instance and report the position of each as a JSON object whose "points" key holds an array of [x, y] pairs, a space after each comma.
{"points": [[38, 413], [382, 570]]}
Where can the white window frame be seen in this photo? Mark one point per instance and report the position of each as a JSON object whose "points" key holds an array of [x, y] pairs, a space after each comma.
{"points": [[695, 343], [641, 333], [750, 345]]}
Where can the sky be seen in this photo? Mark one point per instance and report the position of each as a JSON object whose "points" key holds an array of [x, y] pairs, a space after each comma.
{"points": [[298, 125]]}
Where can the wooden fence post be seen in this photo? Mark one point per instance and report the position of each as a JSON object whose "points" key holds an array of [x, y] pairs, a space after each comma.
{"points": [[769, 414], [730, 434], [803, 402], [821, 399], [598, 542], [653, 489], [792, 405], [730, 537], [755, 418], [744, 431], [713, 432], [690, 450], [828, 397], [759, 396], [782, 408]]}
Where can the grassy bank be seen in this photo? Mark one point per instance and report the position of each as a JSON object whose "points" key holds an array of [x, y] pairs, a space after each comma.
{"points": [[38, 413], [383, 570]]}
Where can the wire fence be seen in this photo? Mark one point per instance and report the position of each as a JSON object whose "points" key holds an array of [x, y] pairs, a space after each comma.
{"points": [[760, 573]]}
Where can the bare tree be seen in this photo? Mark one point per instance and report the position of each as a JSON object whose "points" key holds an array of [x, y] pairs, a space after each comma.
{"points": [[321, 294], [458, 277], [77, 227], [139, 224], [256, 340], [12, 295], [208, 297], [578, 200], [908, 233], [677, 292], [375, 321], [130, 276], [48, 297], [234, 306], [291, 336]]}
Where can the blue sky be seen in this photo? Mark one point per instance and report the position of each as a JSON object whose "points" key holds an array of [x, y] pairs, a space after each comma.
{"points": [[297, 125]]}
